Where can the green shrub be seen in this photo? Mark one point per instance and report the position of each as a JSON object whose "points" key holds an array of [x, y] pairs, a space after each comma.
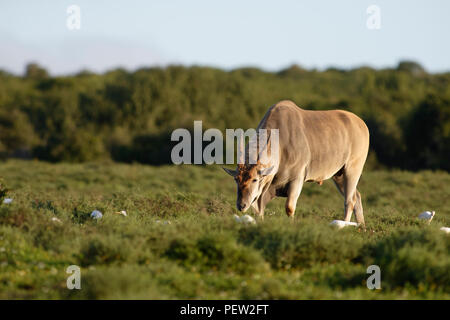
{"points": [[286, 246], [215, 253], [98, 250], [415, 257]]}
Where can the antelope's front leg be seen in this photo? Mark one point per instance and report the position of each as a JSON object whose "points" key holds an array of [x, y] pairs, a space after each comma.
{"points": [[294, 190], [260, 204], [255, 207]]}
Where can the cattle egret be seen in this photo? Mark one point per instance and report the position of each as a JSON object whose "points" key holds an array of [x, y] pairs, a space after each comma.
{"points": [[445, 229], [96, 214], [7, 200], [248, 219], [123, 213], [245, 219], [55, 219], [427, 215], [163, 222], [341, 224]]}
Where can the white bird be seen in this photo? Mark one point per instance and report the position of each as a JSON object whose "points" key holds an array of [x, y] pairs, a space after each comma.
{"points": [[7, 200], [427, 215], [55, 219], [445, 229], [163, 222], [96, 214], [123, 213], [246, 219], [341, 223]]}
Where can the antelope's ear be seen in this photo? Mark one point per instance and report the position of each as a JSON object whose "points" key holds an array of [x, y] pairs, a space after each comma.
{"points": [[266, 172], [232, 173]]}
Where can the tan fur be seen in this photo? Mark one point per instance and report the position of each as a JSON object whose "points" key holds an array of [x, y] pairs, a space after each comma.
{"points": [[314, 146]]}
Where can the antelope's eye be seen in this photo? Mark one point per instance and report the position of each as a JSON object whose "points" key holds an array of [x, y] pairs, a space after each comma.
{"points": [[254, 180]]}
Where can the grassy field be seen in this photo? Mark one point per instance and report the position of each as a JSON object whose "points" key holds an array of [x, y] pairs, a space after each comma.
{"points": [[203, 253]]}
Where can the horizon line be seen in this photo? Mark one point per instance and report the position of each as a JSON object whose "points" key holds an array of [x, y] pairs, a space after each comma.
{"points": [[329, 67]]}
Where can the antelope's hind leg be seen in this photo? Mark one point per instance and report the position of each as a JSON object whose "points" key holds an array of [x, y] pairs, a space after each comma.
{"points": [[358, 209], [346, 184]]}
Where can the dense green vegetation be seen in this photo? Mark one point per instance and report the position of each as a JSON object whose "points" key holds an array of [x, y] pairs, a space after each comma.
{"points": [[96, 121], [203, 252], [128, 116]]}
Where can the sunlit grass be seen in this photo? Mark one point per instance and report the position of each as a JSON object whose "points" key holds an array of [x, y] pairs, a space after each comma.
{"points": [[203, 252]]}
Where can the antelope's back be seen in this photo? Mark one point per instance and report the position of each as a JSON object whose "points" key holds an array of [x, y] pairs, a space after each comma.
{"points": [[321, 140]]}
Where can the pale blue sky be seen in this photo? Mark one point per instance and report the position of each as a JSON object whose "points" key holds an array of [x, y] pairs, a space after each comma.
{"points": [[226, 34]]}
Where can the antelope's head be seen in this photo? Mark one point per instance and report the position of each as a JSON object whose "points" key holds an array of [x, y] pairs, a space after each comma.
{"points": [[250, 181], [255, 166]]}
